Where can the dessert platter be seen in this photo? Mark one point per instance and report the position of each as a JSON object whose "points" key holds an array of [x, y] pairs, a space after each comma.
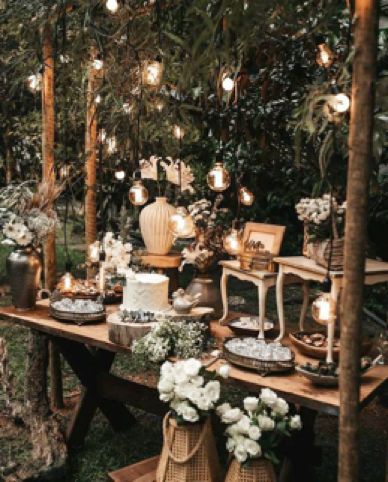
{"points": [[78, 311], [258, 355], [145, 302]]}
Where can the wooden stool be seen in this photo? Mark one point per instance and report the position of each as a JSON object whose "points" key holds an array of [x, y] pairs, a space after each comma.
{"points": [[143, 471], [167, 264]]}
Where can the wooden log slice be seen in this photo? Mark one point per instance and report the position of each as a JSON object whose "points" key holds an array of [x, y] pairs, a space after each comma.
{"points": [[124, 333]]}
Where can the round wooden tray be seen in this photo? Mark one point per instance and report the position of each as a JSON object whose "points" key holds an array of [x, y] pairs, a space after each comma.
{"points": [[321, 352], [78, 318], [264, 367]]}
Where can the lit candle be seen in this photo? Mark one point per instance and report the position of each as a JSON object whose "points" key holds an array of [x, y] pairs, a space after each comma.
{"points": [[94, 253], [67, 282], [101, 278]]}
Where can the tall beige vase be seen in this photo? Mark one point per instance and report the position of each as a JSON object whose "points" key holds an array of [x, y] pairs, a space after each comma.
{"points": [[154, 226]]}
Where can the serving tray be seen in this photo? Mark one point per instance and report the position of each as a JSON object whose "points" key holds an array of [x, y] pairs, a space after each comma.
{"points": [[77, 318]]}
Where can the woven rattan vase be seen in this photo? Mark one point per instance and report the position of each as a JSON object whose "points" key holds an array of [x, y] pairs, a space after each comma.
{"points": [[257, 470], [189, 453]]}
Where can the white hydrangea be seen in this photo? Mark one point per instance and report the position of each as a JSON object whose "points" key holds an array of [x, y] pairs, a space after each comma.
{"points": [[268, 397]]}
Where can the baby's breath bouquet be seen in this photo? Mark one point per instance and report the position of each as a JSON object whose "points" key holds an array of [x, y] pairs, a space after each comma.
{"points": [[28, 215]]}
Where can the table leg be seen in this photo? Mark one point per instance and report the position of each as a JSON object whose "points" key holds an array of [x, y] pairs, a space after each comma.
{"points": [[224, 296], [334, 294], [305, 305], [280, 302], [262, 293], [89, 367]]}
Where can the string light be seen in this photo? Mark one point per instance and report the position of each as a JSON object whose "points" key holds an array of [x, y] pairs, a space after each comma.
{"points": [[127, 108], [181, 224], [321, 309], [340, 103], [178, 131], [120, 173], [102, 136], [232, 242], [94, 252], [112, 5], [34, 82], [152, 72], [64, 171], [138, 194], [325, 56], [227, 84], [97, 99], [218, 178], [159, 105], [246, 196], [98, 64], [111, 144]]}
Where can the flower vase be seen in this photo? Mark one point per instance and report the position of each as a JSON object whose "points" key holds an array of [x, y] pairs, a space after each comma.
{"points": [[189, 453], [154, 218], [24, 268], [208, 288], [255, 470]]}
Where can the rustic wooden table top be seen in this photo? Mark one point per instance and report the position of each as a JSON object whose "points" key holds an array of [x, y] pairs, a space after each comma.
{"points": [[292, 386]]}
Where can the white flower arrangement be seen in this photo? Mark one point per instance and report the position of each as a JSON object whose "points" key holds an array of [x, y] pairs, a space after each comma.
{"points": [[256, 430], [321, 215], [117, 253], [167, 338], [183, 386]]}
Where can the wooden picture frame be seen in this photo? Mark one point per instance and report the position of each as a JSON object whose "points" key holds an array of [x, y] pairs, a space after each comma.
{"points": [[270, 235]]}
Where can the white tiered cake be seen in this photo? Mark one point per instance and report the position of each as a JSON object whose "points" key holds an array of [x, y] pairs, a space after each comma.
{"points": [[146, 292]]}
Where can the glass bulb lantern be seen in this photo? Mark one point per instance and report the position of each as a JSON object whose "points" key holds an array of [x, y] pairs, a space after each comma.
{"points": [[218, 178], [138, 194], [34, 83], [181, 224], [98, 64], [152, 73], [232, 242], [227, 84], [120, 173], [112, 5], [340, 103], [321, 309], [178, 131], [325, 56], [246, 196]]}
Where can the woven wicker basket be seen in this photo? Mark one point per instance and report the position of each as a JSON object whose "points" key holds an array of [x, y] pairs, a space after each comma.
{"points": [[320, 253], [257, 470], [189, 453]]}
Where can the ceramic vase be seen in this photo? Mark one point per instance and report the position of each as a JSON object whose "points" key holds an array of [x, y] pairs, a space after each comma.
{"points": [[209, 289], [154, 226], [24, 268]]}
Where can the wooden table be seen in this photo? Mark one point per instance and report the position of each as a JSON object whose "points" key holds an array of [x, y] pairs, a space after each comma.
{"points": [[307, 270], [90, 354]]}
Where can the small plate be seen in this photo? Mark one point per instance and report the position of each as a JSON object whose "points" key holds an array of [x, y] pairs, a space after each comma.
{"points": [[249, 329]]}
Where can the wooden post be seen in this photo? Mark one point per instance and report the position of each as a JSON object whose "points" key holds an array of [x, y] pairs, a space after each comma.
{"points": [[91, 160], [360, 154], [48, 132]]}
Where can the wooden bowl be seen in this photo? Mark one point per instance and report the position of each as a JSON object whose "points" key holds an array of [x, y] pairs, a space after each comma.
{"points": [[250, 331], [321, 352]]}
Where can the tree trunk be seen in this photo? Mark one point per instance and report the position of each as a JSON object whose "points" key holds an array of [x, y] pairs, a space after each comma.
{"points": [[9, 159], [91, 161], [360, 154], [48, 133]]}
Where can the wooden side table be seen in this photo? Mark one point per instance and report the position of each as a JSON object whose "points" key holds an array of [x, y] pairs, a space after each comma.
{"points": [[263, 280], [307, 270], [167, 264]]}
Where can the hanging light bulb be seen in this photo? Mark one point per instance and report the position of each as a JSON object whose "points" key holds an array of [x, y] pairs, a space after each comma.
{"points": [[178, 131], [112, 5], [325, 56], [246, 196], [181, 224], [98, 64], [159, 105], [227, 83], [34, 82], [94, 252], [97, 99], [321, 309], [152, 72], [127, 108], [340, 103], [102, 135], [218, 178], [67, 281], [111, 144], [64, 171], [120, 173], [138, 194], [232, 242]]}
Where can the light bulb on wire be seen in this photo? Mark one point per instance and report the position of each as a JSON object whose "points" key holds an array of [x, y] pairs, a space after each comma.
{"points": [[120, 173], [246, 196], [97, 99], [218, 178], [181, 224], [112, 5], [98, 64], [227, 83], [178, 131], [340, 103], [321, 309], [34, 82], [111, 145], [127, 108], [232, 242], [325, 56], [152, 72], [138, 194]]}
